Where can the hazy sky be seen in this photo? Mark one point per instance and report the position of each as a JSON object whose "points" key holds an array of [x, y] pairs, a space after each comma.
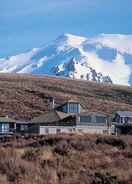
{"points": [[25, 24]]}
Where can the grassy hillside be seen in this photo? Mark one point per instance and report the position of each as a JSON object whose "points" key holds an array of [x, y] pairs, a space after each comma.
{"points": [[24, 96], [66, 159]]}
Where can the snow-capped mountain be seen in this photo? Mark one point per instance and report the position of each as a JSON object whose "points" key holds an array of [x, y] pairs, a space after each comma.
{"points": [[104, 58], [76, 70]]}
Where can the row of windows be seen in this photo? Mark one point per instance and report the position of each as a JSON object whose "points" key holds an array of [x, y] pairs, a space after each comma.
{"points": [[5, 128], [125, 120], [71, 108], [90, 119]]}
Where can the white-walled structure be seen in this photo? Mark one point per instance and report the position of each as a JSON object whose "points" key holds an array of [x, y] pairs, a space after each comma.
{"points": [[44, 130]]}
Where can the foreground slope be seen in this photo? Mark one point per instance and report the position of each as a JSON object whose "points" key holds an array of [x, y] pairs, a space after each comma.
{"points": [[25, 96], [103, 58], [66, 159]]}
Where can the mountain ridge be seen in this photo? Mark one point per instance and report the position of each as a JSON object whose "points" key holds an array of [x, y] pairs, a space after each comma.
{"points": [[104, 54]]}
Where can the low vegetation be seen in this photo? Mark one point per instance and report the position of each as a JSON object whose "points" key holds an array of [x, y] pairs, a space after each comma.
{"points": [[24, 97], [66, 159]]}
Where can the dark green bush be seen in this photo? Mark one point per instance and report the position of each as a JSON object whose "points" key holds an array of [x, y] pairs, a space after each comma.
{"points": [[116, 142]]}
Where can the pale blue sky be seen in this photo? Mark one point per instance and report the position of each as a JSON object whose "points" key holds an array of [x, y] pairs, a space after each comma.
{"points": [[25, 24]]}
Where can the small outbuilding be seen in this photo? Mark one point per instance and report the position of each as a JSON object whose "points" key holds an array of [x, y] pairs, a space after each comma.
{"points": [[123, 117], [123, 122]]}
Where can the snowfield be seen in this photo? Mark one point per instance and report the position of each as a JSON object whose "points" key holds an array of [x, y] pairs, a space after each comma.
{"points": [[103, 58]]}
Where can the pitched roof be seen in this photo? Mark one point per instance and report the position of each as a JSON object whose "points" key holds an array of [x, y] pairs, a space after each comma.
{"points": [[6, 120], [124, 114], [49, 117], [72, 101]]}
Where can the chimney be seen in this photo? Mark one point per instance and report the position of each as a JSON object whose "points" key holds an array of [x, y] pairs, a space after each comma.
{"points": [[52, 102]]}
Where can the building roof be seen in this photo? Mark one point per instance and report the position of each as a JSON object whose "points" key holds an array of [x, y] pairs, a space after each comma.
{"points": [[124, 114], [71, 101], [6, 120], [22, 122], [50, 117]]}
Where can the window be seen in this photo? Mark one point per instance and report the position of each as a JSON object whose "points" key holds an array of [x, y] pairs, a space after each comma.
{"points": [[24, 127], [101, 119], [4, 128], [117, 119], [129, 120], [64, 108], [74, 108], [85, 119], [122, 120]]}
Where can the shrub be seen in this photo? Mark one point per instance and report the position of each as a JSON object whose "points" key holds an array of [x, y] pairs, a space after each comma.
{"points": [[81, 145], [105, 178], [34, 144], [50, 141], [62, 148], [117, 142], [31, 154]]}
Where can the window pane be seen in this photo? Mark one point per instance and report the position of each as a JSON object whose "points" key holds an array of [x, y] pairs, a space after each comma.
{"points": [[100, 119], [5, 128], [85, 119], [73, 108], [24, 127]]}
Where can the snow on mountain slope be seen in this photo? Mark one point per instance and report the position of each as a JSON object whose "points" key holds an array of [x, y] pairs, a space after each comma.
{"points": [[76, 70], [104, 58], [123, 43]]}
